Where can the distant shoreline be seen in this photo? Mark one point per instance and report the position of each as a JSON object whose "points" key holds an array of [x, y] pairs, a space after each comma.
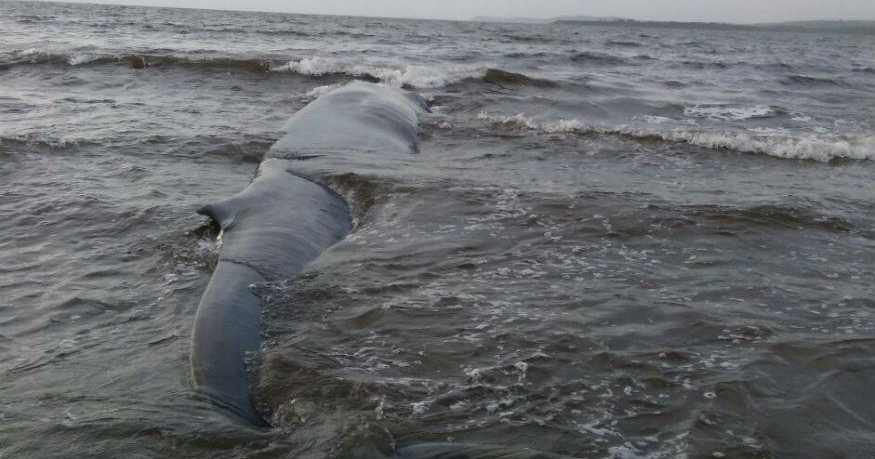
{"points": [[849, 26], [844, 26], [861, 27]]}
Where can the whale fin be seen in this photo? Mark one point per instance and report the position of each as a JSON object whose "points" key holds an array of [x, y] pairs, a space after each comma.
{"points": [[223, 212]]}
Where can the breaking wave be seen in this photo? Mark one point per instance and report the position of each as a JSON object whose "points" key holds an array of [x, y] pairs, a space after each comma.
{"points": [[39, 57], [42, 141], [413, 76], [733, 113], [819, 148], [417, 76]]}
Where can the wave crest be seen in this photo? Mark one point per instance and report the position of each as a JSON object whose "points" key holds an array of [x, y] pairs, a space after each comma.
{"points": [[40, 141], [733, 113], [411, 76], [39, 57], [414, 76], [818, 148]]}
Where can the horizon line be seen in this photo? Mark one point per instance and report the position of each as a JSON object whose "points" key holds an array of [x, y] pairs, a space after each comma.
{"points": [[477, 18]]}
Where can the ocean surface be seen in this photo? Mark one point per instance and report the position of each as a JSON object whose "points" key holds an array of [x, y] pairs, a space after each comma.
{"points": [[615, 242]]}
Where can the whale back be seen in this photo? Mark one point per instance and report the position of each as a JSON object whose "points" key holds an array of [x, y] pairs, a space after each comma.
{"points": [[357, 117]]}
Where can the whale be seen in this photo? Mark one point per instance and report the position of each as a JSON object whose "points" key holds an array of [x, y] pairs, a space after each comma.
{"points": [[282, 221]]}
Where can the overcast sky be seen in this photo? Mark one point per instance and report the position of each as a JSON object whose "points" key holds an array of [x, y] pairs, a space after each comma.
{"points": [[743, 11]]}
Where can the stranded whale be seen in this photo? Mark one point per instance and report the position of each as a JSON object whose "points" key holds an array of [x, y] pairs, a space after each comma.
{"points": [[282, 221]]}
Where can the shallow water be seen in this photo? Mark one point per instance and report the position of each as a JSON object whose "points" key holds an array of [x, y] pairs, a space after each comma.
{"points": [[617, 242]]}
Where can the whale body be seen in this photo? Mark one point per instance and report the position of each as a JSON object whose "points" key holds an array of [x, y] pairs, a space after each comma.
{"points": [[282, 221]]}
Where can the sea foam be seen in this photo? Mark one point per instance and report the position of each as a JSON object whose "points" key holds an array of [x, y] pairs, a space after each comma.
{"points": [[722, 112], [818, 147], [418, 76]]}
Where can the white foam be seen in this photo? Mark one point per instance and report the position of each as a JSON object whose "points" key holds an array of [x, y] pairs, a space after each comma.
{"points": [[30, 52], [780, 144], [418, 76], [78, 59], [73, 59], [801, 118], [207, 246], [819, 148], [519, 121], [653, 119], [720, 112]]}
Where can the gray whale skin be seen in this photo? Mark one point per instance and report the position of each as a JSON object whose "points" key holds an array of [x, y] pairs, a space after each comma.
{"points": [[282, 221]]}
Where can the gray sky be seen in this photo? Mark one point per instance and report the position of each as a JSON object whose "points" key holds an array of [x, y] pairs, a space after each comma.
{"points": [[743, 11]]}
